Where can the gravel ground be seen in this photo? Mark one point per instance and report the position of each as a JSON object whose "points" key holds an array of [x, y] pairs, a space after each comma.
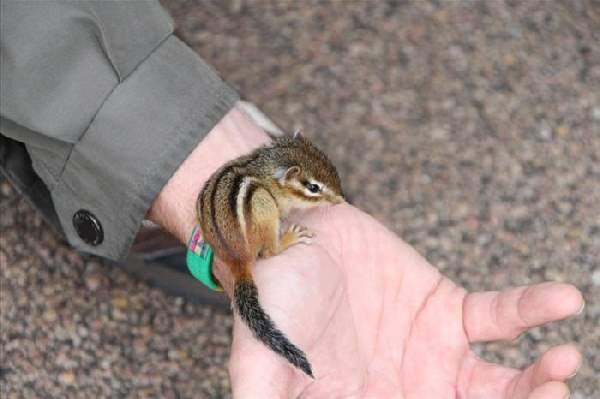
{"points": [[472, 129]]}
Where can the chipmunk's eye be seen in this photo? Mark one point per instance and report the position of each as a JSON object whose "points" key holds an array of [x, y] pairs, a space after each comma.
{"points": [[313, 188]]}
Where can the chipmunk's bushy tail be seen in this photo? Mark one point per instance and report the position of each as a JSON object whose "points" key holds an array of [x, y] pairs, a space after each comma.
{"points": [[245, 298]]}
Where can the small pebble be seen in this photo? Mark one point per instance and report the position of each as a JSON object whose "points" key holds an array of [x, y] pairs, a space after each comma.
{"points": [[545, 132], [596, 278], [5, 188], [120, 302], [93, 282], [67, 377], [562, 131]]}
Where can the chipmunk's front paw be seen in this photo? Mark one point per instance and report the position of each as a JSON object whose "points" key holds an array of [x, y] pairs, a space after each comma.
{"points": [[297, 234]]}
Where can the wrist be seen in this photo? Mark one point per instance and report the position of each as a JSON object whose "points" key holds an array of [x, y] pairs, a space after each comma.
{"points": [[174, 208]]}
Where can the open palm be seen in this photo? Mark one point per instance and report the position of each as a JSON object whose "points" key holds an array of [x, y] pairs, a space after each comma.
{"points": [[377, 321]]}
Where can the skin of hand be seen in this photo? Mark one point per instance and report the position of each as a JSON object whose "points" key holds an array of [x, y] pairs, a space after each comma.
{"points": [[375, 319]]}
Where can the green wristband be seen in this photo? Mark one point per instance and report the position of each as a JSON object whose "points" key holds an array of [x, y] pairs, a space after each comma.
{"points": [[199, 260]]}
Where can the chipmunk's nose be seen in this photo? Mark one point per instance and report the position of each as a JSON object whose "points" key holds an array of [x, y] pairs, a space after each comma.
{"points": [[338, 199]]}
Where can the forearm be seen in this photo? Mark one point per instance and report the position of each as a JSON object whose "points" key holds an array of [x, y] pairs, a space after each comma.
{"points": [[109, 118], [174, 207]]}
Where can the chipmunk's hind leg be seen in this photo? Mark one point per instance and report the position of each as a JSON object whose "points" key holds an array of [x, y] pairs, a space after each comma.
{"points": [[264, 214], [266, 239], [270, 244]]}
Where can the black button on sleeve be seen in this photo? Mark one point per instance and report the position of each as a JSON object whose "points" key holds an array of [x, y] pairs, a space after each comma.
{"points": [[88, 227]]}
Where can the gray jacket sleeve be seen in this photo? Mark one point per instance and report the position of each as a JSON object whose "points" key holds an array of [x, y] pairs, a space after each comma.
{"points": [[108, 103]]}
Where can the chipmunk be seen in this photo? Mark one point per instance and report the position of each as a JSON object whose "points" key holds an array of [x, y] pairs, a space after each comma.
{"points": [[240, 210]]}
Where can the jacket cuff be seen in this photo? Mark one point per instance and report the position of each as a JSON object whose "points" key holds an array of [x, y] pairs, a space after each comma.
{"points": [[144, 130]]}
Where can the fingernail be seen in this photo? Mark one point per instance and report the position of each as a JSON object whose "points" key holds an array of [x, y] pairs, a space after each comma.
{"points": [[574, 373], [580, 311]]}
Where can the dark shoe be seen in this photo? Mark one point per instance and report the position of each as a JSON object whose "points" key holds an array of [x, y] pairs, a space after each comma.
{"points": [[157, 258]]}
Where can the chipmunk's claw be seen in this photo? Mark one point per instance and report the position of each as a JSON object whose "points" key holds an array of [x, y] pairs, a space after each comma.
{"points": [[298, 234]]}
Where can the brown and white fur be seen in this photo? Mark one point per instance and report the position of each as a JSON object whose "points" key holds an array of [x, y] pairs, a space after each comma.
{"points": [[240, 210]]}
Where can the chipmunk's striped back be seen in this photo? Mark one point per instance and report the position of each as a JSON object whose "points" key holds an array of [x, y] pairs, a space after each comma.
{"points": [[221, 208]]}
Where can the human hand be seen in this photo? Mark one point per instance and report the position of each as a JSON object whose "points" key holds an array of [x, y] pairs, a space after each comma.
{"points": [[377, 321]]}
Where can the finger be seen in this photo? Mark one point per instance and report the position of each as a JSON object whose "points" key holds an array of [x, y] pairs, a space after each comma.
{"points": [[550, 390], [481, 379], [558, 364], [493, 315]]}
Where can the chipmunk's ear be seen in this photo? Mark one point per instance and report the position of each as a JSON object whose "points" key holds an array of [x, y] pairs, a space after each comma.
{"points": [[292, 172], [287, 174]]}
